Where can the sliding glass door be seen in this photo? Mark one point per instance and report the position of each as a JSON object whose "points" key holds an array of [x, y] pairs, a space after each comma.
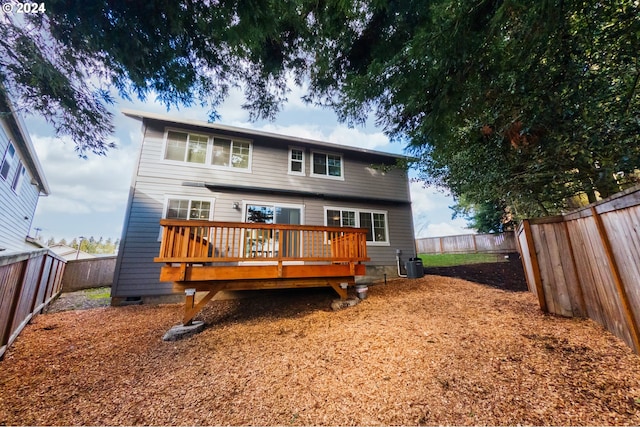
{"points": [[264, 243]]}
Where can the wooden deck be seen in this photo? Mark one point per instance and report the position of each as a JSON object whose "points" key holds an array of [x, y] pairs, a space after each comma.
{"points": [[214, 256]]}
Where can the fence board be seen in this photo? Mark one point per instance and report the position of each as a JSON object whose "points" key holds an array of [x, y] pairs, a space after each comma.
{"points": [[88, 273], [527, 260], [588, 281], [589, 263], [555, 273], [28, 282], [541, 243], [596, 262]]}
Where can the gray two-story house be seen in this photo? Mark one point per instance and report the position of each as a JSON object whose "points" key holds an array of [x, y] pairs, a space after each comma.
{"points": [[22, 181], [192, 170]]}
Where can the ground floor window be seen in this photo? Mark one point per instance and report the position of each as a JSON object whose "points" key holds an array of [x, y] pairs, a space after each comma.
{"points": [[374, 221], [188, 209], [178, 207]]}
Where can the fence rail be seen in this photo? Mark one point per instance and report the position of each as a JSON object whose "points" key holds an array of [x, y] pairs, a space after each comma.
{"points": [[468, 243], [587, 263], [28, 283]]}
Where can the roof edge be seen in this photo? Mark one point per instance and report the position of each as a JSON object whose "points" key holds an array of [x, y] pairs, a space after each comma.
{"points": [[136, 114]]}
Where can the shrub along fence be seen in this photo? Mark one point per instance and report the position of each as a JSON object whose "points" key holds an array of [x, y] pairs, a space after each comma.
{"points": [[88, 273], [468, 243], [587, 263], [28, 283]]}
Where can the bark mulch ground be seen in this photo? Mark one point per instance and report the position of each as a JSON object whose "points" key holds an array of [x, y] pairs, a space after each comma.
{"points": [[507, 274], [436, 350]]}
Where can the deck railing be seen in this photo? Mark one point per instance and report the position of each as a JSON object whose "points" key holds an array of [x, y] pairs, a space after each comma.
{"points": [[222, 242]]}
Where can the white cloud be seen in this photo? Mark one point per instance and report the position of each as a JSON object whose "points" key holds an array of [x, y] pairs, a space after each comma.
{"points": [[308, 131], [97, 184], [355, 137], [451, 228], [431, 213]]}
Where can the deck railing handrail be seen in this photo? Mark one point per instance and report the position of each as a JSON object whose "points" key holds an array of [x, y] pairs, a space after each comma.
{"points": [[198, 241]]}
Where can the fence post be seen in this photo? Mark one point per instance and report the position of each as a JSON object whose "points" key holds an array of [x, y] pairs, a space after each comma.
{"points": [[617, 279], [537, 280]]}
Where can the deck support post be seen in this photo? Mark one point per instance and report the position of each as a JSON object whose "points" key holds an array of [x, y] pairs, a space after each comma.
{"points": [[342, 292], [191, 308]]}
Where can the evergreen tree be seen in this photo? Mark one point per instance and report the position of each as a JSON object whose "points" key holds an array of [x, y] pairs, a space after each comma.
{"points": [[525, 103]]}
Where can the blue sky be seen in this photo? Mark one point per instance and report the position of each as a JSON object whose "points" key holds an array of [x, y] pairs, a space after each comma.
{"points": [[89, 197]]}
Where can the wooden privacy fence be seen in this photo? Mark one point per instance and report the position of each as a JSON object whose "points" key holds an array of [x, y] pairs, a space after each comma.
{"points": [[28, 283], [587, 263], [468, 243], [88, 273]]}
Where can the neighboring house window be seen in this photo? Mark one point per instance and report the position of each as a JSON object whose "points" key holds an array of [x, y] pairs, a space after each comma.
{"points": [[296, 161], [374, 221], [327, 165], [7, 161], [17, 180], [230, 153], [188, 209], [186, 147]]}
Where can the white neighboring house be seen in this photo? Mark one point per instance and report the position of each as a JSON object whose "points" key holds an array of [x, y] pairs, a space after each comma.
{"points": [[70, 253], [22, 181]]}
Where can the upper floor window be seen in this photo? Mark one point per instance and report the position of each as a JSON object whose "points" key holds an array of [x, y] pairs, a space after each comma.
{"points": [[374, 221], [296, 161], [230, 153], [327, 165], [7, 161], [186, 147], [205, 150], [19, 178]]}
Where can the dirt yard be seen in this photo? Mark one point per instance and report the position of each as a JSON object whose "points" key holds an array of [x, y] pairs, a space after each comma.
{"points": [[436, 350]]}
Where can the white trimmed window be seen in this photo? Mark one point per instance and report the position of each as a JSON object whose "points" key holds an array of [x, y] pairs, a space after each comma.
{"points": [[231, 153], [374, 221], [205, 150], [327, 165], [185, 208], [19, 178], [8, 161], [296, 161], [186, 147]]}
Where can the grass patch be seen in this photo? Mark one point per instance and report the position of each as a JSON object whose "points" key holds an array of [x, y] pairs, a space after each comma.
{"points": [[98, 293], [448, 260]]}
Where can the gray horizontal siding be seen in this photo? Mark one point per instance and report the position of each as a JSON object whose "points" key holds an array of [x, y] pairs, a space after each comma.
{"points": [[269, 169]]}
